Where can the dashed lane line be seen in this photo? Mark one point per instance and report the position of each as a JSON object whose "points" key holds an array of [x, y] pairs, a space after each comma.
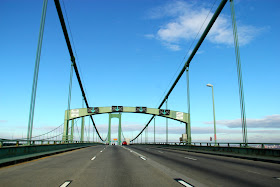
{"points": [[93, 158], [253, 172], [138, 154], [184, 183], [190, 158], [66, 183], [143, 158]]}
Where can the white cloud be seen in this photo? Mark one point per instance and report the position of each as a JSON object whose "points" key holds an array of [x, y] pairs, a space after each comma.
{"points": [[150, 36], [186, 20], [173, 47], [271, 121]]}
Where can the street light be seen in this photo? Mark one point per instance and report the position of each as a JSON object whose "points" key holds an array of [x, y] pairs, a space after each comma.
{"points": [[215, 137]]}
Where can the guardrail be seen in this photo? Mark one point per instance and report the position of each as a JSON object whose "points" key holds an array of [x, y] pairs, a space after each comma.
{"points": [[221, 144], [24, 142]]}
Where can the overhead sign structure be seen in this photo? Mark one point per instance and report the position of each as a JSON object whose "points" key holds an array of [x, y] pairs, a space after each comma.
{"points": [[117, 108], [164, 112], [93, 110], [140, 109]]}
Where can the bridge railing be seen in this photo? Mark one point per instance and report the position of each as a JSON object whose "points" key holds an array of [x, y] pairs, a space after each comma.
{"points": [[24, 142], [221, 144]]}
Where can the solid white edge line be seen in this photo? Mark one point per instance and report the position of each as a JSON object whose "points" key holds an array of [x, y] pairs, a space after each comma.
{"points": [[184, 183], [143, 158], [93, 158], [160, 151], [66, 183], [190, 158]]}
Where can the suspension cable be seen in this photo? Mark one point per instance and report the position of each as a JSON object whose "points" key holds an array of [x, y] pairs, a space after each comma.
{"points": [[62, 22], [187, 63]]}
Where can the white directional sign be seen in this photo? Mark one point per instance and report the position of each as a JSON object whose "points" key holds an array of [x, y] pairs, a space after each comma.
{"points": [[179, 115], [74, 113]]}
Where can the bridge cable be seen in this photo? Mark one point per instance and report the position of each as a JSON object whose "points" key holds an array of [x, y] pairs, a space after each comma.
{"points": [[187, 63], [64, 29], [72, 38], [239, 74], [36, 71], [188, 51]]}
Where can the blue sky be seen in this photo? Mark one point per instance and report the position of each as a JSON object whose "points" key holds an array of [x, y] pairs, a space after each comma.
{"points": [[129, 53]]}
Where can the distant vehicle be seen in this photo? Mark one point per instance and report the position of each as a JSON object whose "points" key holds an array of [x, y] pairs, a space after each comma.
{"points": [[113, 143], [124, 143]]}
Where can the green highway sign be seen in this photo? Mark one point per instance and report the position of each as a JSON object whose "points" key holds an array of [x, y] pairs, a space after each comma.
{"points": [[117, 108], [164, 112], [93, 110], [141, 109]]}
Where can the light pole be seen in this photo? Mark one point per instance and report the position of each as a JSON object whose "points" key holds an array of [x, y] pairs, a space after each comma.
{"points": [[215, 137]]}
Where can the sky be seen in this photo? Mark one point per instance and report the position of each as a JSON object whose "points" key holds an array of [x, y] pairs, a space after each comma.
{"points": [[129, 53]]}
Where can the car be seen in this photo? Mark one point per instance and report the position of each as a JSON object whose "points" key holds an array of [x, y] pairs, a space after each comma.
{"points": [[124, 143]]}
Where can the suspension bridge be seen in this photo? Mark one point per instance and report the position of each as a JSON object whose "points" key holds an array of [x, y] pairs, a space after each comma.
{"points": [[70, 157]]}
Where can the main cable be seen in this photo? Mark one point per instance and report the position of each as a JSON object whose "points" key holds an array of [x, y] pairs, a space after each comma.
{"points": [[62, 22]]}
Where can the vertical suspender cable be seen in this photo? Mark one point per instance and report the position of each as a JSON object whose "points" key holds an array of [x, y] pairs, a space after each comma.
{"points": [[36, 71], [166, 101], [188, 127], [239, 74], [69, 101]]}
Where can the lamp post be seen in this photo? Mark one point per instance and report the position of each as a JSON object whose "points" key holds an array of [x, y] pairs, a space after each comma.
{"points": [[215, 137]]}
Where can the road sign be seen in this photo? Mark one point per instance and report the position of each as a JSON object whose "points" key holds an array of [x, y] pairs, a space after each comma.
{"points": [[74, 113], [93, 110], [164, 112], [115, 139], [141, 109], [117, 108], [179, 115]]}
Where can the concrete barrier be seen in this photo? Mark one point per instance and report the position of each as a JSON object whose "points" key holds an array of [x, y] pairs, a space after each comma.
{"points": [[8, 152], [261, 154]]}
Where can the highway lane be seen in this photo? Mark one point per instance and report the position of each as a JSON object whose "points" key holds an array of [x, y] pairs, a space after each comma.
{"points": [[214, 170], [94, 166]]}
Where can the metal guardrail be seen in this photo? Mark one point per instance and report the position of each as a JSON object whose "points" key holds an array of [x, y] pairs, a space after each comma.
{"points": [[24, 142], [220, 144]]}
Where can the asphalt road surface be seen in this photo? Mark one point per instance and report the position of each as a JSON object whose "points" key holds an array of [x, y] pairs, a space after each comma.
{"points": [[139, 166]]}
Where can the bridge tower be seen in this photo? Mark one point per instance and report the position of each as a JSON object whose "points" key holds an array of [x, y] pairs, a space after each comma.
{"points": [[119, 116]]}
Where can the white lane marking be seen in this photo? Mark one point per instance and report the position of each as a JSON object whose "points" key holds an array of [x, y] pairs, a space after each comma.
{"points": [[101, 151], [160, 151], [253, 172], [138, 154], [184, 183], [66, 183], [190, 158], [93, 158], [143, 158], [278, 178]]}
